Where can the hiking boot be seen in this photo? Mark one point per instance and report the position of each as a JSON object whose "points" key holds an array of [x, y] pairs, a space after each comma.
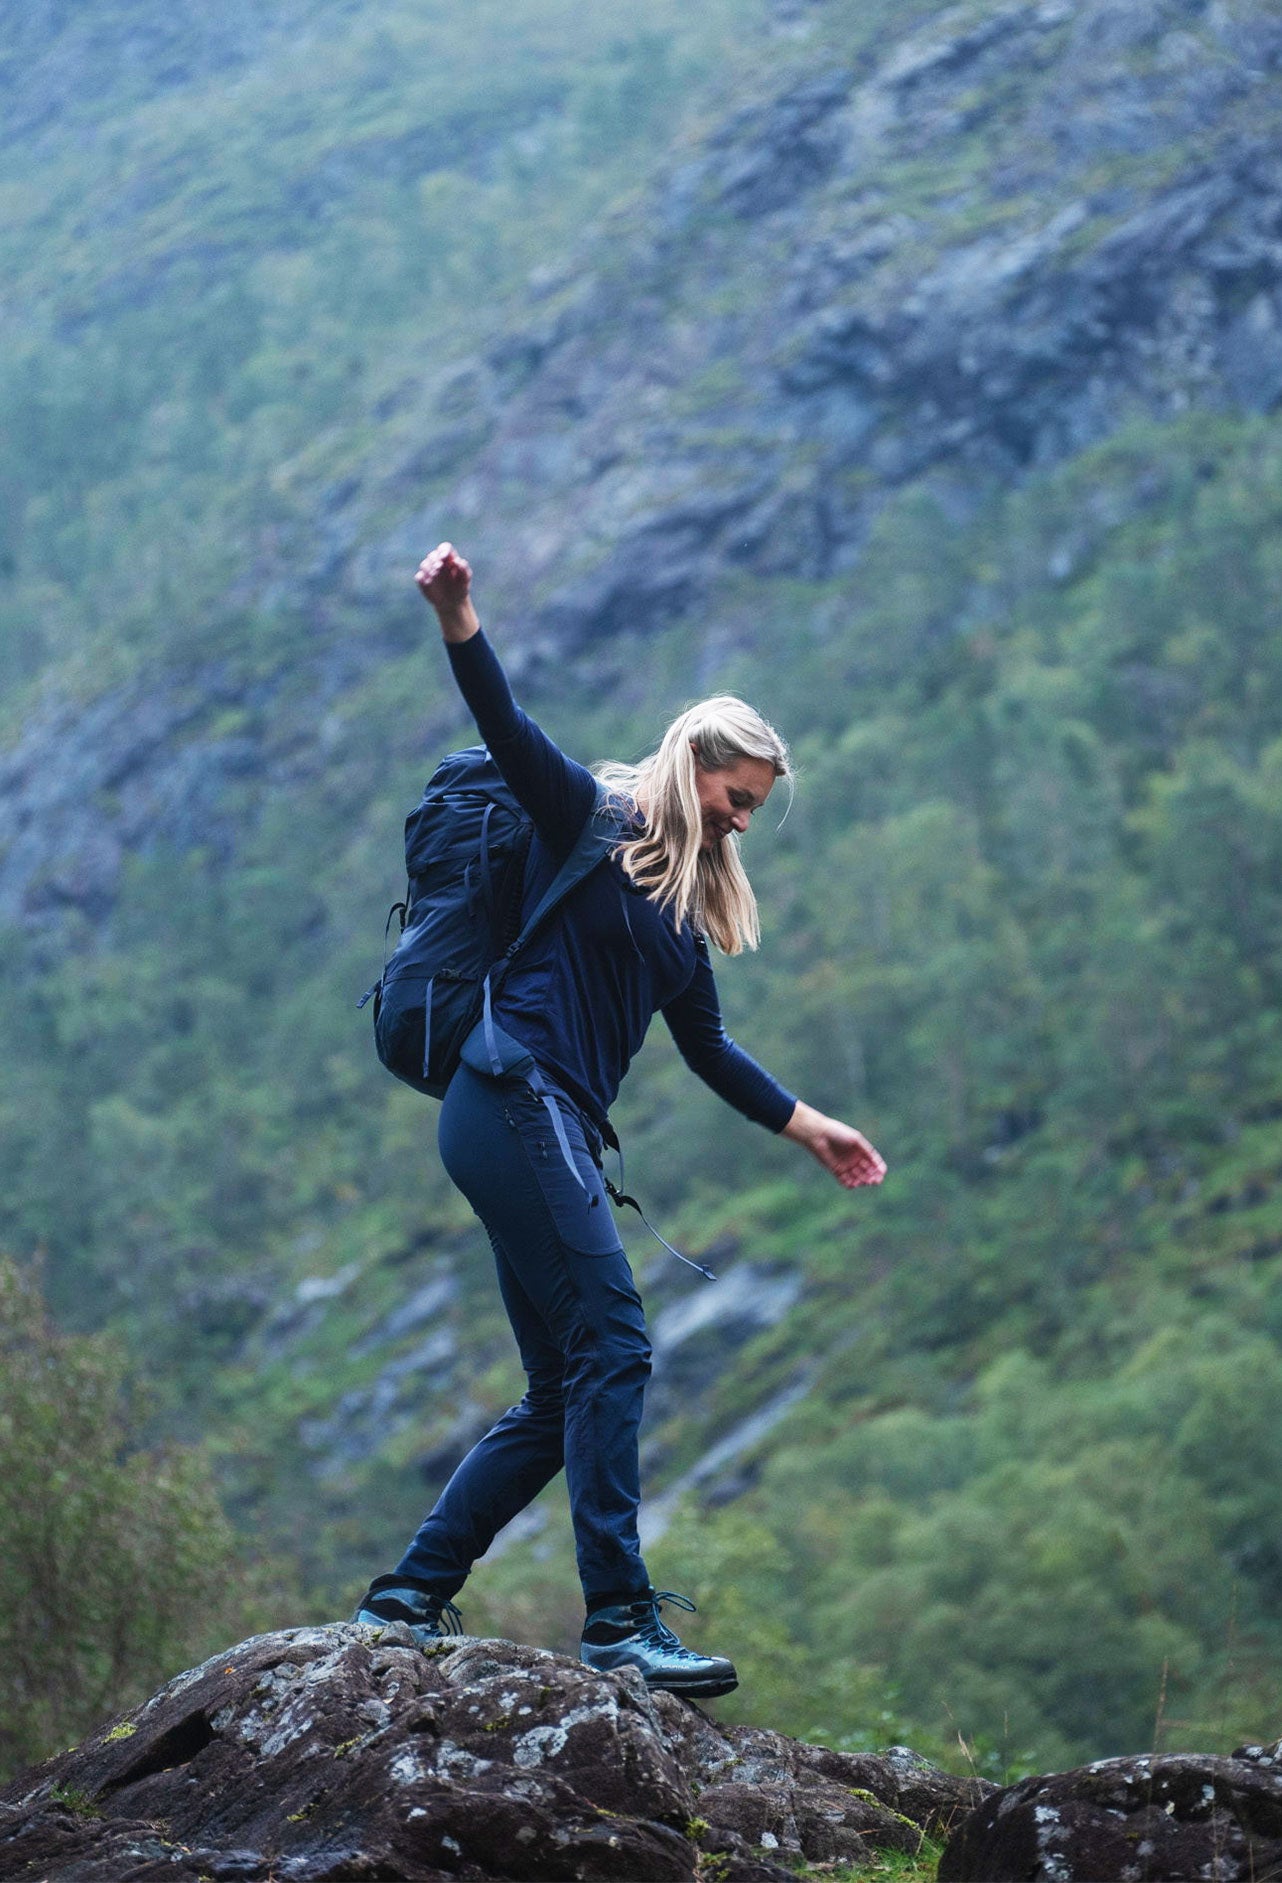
{"points": [[632, 1635], [406, 1599]]}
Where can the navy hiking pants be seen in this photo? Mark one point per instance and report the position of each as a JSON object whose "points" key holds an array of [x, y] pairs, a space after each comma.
{"points": [[580, 1328]]}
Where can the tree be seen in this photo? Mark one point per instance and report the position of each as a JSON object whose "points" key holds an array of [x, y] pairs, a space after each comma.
{"points": [[117, 1566]]}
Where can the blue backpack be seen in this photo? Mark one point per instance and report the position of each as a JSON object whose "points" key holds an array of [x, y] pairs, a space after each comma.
{"points": [[465, 851]]}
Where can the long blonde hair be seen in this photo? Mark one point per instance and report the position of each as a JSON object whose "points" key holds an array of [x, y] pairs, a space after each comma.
{"points": [[708, 888]]}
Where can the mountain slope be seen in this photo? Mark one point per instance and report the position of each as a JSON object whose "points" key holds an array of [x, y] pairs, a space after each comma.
{"points": [[920, 383]]}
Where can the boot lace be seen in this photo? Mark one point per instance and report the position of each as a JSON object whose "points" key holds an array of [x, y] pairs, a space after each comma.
{"points": [[657, 1630]]}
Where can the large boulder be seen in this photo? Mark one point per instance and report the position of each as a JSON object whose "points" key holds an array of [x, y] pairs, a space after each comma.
{"points": [[345, 1752], [1130, 1820]]}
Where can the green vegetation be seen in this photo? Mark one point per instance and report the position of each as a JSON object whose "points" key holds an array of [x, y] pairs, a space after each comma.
{"points": [[118, 1565], [889, 1866], [1022, 924], [323, 214]]}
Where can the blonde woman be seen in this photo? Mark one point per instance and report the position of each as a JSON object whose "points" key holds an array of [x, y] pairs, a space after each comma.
{"points": [[631, 940]]}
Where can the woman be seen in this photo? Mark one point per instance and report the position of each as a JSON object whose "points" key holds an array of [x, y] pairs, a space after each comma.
{"points": [[630, 940]]}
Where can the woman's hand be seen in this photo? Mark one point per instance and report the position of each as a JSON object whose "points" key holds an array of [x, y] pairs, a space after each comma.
{"points": [[839, 1148], [445, 580]]}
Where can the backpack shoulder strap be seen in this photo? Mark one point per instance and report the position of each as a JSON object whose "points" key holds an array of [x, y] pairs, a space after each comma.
{"points": [[600, 830]]}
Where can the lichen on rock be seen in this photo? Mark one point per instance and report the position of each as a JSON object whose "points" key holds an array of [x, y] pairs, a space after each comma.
{"points": [[345, 1752]]}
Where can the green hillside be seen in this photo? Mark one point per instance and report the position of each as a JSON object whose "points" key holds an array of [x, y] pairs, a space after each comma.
{"points": [[912, 371]]}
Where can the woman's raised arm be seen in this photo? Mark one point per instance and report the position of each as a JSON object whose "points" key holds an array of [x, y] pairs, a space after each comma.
{"points": [[557, 792]]}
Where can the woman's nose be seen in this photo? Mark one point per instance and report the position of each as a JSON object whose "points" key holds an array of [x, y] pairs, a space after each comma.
{"points": [[739, 821]]}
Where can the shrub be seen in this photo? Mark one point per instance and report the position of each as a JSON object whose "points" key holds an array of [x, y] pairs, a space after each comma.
{"points": [[117, 1566]]}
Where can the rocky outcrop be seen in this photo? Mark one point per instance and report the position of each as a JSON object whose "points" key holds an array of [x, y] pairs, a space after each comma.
{"points": [[1134, 1820], [182, 764], [345, 1752], [331, 1754]]}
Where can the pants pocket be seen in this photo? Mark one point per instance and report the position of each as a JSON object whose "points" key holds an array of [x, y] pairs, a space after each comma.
{"points": [[579, 1207]]}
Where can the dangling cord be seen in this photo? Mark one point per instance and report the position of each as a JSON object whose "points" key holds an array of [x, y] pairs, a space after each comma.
{"points": [[618, 1198]]}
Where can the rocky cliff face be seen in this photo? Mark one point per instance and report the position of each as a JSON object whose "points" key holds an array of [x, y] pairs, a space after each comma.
{"points": [[951, 264], [1012, 230]]}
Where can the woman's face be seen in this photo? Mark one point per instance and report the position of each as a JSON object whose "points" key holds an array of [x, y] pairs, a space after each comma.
{"points": [[729, 796]]}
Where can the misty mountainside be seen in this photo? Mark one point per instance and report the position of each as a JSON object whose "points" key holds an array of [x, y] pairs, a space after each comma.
{"points": [[913, 370]]}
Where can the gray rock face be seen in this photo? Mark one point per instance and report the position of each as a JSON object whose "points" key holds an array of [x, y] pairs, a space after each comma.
{"points": [[1132, 1820], [971, 257], [344, 1752], [1111, 246]]}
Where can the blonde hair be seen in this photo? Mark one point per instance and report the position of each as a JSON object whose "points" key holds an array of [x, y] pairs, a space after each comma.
{"points": [[708, 888]]}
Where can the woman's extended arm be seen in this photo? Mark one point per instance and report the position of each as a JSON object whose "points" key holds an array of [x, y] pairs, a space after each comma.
{"points": [[695, 1023], [558, 793], [694, 1020]]}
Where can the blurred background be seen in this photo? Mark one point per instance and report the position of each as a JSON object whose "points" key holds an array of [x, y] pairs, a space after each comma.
{"points": [[913, 370]]}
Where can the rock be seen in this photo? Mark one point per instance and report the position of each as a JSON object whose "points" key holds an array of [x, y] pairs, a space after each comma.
{"points": [[185, 766], [1251, 353], [345, 1752], [696, 1334], [810, 1802], [726, 1469], [1265, 1756], [764, 159], [363, 1418], [1161, 1818]]}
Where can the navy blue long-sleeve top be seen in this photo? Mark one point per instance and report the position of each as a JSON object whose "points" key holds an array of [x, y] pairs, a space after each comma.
{"points": [[582, 994]]}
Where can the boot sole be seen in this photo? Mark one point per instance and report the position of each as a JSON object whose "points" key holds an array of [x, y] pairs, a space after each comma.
{"points": [[693, 1689]]}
